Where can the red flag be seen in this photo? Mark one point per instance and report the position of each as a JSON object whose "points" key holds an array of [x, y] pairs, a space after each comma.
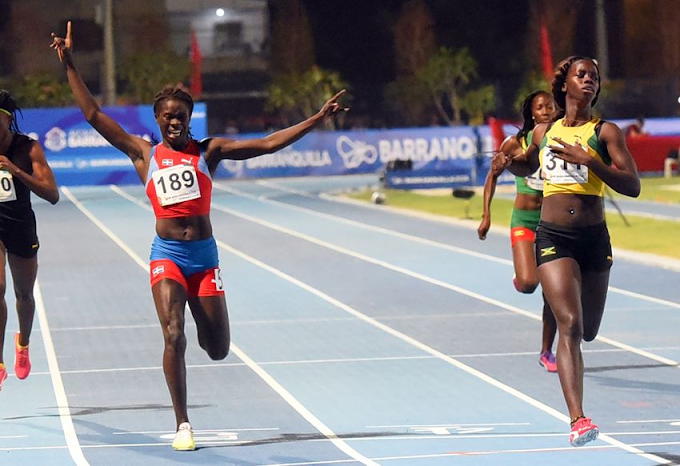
{"points": [[497, 133], [546, 55], [195, 58]]}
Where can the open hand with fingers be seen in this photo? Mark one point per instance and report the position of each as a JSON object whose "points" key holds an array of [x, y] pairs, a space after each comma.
{"points": [[570, 153], [63, 45]]}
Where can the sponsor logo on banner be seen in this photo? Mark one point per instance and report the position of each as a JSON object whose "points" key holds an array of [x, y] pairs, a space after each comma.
{"points": [[286, 158], [354, 152], [55, 139], [427, 150]]}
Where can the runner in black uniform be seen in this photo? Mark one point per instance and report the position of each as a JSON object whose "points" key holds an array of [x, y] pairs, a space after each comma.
{"points": [[23, 168]]}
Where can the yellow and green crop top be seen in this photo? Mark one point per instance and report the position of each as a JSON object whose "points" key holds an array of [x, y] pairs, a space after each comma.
{"points": [[561, 177], [532, 184]]}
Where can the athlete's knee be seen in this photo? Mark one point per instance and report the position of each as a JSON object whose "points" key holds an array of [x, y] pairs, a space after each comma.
{"points": [[589, 334], [525, 284], [25, 297], [218, 352], [175, 337], [217, 348], [571, 328]]}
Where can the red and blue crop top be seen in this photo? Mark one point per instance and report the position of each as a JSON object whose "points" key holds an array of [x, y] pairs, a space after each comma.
{"points": [[179, 184]]}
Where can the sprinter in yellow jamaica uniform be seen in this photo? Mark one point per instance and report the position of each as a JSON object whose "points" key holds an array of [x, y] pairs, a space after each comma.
{"points": [[578, 155]]}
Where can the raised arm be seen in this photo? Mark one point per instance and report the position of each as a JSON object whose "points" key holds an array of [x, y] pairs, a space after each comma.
{"points": [[622, 176], [135, 148], [498, 165], [219, 148]]}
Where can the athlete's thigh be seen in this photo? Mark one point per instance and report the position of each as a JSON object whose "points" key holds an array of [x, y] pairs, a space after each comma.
{"points": [[170, 298], [593, 298], [24, 271], [524, 261], [561, 283], [3, 262], [211, 316]]}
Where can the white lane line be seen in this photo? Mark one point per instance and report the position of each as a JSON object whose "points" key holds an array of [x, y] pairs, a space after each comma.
{"points": [[318, 361], [366, 226], [269, 380], [104, 228], [642, 421], [425, 278], [57, 384], [427, 349], [197, 431], [300, 408], [245, 443], [408, 237], [510, 390], [475, 453]]}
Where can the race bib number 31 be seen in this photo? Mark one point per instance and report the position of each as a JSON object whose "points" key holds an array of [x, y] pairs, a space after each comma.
{"points": [[558, 171], [7, 190], [176, 184]]}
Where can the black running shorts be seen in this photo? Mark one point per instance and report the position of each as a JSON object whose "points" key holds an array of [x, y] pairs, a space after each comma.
{"points": [[589, 246]]}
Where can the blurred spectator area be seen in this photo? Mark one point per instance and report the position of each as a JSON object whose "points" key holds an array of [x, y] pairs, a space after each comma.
{"points": [[650, 152]]}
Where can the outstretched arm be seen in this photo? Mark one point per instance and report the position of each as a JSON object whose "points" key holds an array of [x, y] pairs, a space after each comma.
{"points": [[219, 148], [41, 182], [134, 147], [498, 165]]}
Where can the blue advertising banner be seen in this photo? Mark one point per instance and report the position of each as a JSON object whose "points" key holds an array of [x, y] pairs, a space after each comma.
{"points": [[451, 151], [78, 155]]}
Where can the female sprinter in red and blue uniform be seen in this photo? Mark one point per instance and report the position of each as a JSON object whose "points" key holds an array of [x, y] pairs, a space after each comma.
{"points": [[177, 174]]}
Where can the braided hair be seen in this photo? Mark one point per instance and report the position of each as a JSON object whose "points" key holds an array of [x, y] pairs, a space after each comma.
{"points": [[172, 93], [9, 105], [528, 122], [561, 77]]}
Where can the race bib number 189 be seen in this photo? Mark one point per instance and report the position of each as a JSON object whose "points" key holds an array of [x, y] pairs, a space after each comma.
{"points": [[558, 171], [176, 184], [7, 190]]}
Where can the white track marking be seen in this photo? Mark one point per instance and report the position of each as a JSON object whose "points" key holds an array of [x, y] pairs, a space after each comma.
{"points": [[292, 401], [632, 255], [58, 385], [427, 349], [366, 226], [419, 276], [490, 380]]}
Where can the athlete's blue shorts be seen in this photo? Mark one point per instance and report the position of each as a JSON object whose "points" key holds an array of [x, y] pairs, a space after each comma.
{"points": [[193, 264]]}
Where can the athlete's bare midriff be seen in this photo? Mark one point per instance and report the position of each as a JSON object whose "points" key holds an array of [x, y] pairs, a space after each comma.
{"points": [[184, 228], [573, 210], [528, 201]]}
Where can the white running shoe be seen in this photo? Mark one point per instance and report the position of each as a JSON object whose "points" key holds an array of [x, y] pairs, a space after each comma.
{"points": [[184, 438]]}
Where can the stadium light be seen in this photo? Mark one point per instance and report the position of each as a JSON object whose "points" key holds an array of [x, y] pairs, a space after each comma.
{"points": [[219, 12]]}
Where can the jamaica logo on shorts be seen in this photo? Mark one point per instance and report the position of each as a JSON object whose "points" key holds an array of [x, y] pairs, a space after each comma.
{"points": [[548, 251]]}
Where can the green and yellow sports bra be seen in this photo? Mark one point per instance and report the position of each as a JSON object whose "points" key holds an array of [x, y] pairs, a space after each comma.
{"points": [[532, 184], [562, 177]]}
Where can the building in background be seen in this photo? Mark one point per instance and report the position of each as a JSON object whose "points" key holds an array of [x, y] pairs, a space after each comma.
{"points": [[232, 36]]}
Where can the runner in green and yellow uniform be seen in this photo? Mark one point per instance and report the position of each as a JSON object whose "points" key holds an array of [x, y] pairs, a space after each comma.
{"points": [[538, 107]]}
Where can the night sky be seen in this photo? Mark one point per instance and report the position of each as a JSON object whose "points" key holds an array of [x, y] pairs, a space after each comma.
{"points": [[354, 37]]}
